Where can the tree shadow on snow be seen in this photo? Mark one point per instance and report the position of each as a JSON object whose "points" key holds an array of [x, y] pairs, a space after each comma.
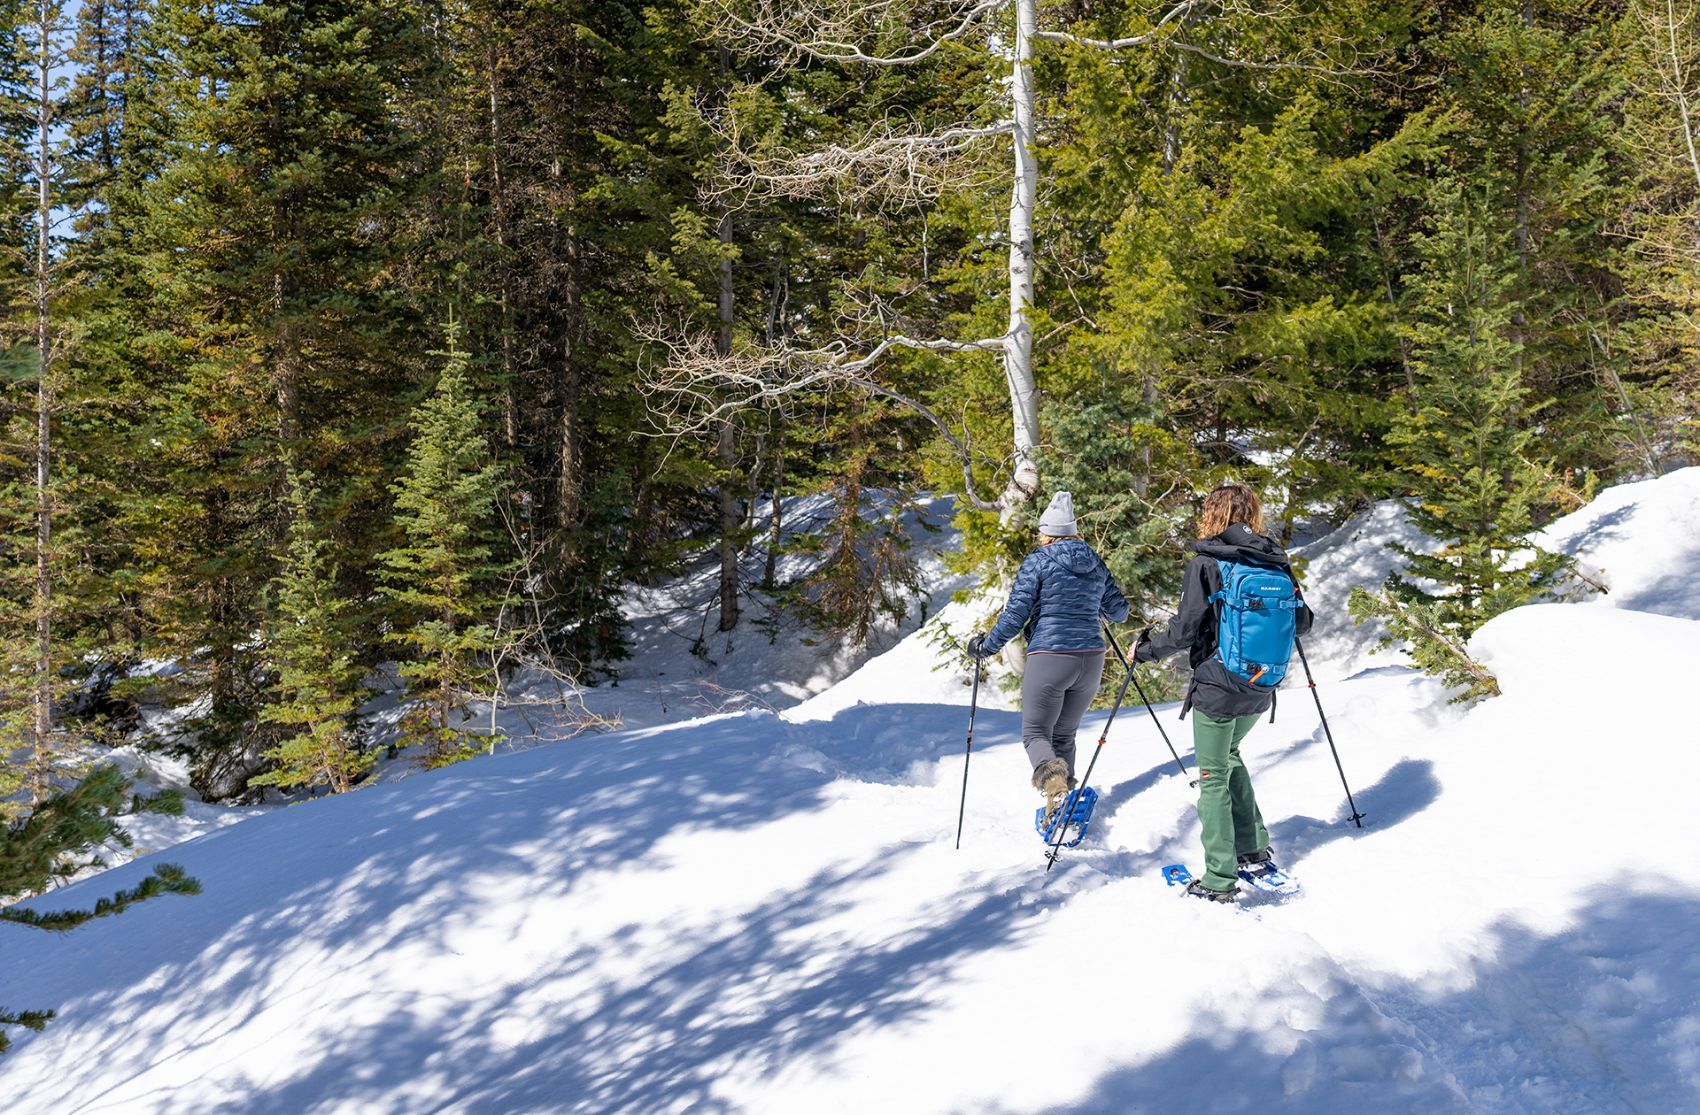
{"points": [[1600, 1017], [1675, 594], [746, 996], [342, 882], [901, 743]]}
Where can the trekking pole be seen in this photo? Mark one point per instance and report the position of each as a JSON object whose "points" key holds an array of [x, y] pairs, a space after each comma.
{"points": [[1140, 689], [968, 753], [1075, 795], [1310, 680]]}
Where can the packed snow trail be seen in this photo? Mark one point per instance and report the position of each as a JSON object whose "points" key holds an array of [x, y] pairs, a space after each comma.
{"points": [[756, 913], [746, 914]]}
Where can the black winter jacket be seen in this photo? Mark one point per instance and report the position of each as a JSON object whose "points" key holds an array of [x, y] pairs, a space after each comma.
{"points": [[1214, 689]]}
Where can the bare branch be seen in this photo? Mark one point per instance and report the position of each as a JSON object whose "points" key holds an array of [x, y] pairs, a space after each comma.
{"points": [[696, 386], [1190, 12], [831, 31], [890, 164], [524, 674], [1179, 11]]}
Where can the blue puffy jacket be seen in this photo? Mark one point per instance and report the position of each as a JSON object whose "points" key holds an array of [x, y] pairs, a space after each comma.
{"points": [[1061, 595]]}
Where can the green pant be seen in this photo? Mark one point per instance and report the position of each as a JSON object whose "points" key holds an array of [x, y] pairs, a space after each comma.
{"points": [[1226, 806]]}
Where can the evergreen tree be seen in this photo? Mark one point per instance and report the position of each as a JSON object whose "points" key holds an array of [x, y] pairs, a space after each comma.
{"points": [[446, 578], [248, 319], [33, 588], [867, 569], [1468, 448], [1531, 93], [1650, 362], [1126, 472], [63, 835], [1243, 301], [313, 650]]}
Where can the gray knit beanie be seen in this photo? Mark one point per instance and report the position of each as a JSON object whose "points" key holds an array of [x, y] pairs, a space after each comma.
{"points": [[1058, 519]]}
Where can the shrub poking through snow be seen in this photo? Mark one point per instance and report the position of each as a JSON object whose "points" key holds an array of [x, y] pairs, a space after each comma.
{"points": [[167, 878], [36, 1020], [62, 835], [55, 838], [1423, 631]]}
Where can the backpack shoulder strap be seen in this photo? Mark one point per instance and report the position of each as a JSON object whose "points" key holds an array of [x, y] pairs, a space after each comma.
{"points": [[1226, 569]]}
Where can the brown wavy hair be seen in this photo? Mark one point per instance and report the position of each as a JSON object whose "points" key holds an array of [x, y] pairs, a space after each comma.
{"points": [[1227, 505]]}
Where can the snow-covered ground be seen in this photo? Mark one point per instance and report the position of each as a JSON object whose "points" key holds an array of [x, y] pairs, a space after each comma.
{"points": [[764, 913], [682, 667]]}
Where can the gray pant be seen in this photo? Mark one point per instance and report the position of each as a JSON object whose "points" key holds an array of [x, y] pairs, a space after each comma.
{"points": [[1054, 696]]}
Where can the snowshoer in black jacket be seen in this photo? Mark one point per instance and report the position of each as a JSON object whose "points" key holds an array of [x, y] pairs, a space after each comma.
{"points": [[1224, 705]]}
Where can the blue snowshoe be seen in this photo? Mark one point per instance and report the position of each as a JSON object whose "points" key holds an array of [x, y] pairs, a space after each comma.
{"points": [[1072, 817], [1177, 875], [1260, 871]]}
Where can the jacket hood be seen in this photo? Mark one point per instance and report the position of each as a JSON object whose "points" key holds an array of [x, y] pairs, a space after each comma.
{"points": [[1240, 543], [1072, 555]]}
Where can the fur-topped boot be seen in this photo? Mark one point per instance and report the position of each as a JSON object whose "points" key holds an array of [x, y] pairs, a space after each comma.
{"points": [[1051, 779]]}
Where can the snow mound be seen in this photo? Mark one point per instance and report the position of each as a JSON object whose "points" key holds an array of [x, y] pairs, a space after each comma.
{"points": [[1640, 539], [1357, 554], [1549, 652], [1636, 539]]}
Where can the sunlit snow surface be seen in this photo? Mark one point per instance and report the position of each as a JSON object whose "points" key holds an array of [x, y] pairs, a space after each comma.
{"points": [[764, 913]]}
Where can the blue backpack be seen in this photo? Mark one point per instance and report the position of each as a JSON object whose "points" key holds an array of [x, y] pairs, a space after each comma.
{"points": [[1257, 623]]}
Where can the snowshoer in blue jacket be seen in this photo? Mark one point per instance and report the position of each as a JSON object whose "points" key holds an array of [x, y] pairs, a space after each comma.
{"points": [[1224, 705], [1060, 598]]}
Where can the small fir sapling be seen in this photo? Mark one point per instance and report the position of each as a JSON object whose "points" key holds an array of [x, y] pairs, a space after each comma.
{"points": [[446, 578], [312, 642], [1467, 449]]}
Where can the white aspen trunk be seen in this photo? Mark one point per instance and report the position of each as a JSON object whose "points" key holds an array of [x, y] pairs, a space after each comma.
{"points": [[43, 698], [1680, 88], [1018, 343]]}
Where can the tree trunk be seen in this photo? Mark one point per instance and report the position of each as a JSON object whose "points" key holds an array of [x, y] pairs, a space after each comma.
{"points": [[1381, 256], [499, 210], [1175, 100], [1520, 320], [48, 28], [569, 483], [776, 416], [286, 374], [1018, 344], [1679, 90], [731, 513], [776, 525]]}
